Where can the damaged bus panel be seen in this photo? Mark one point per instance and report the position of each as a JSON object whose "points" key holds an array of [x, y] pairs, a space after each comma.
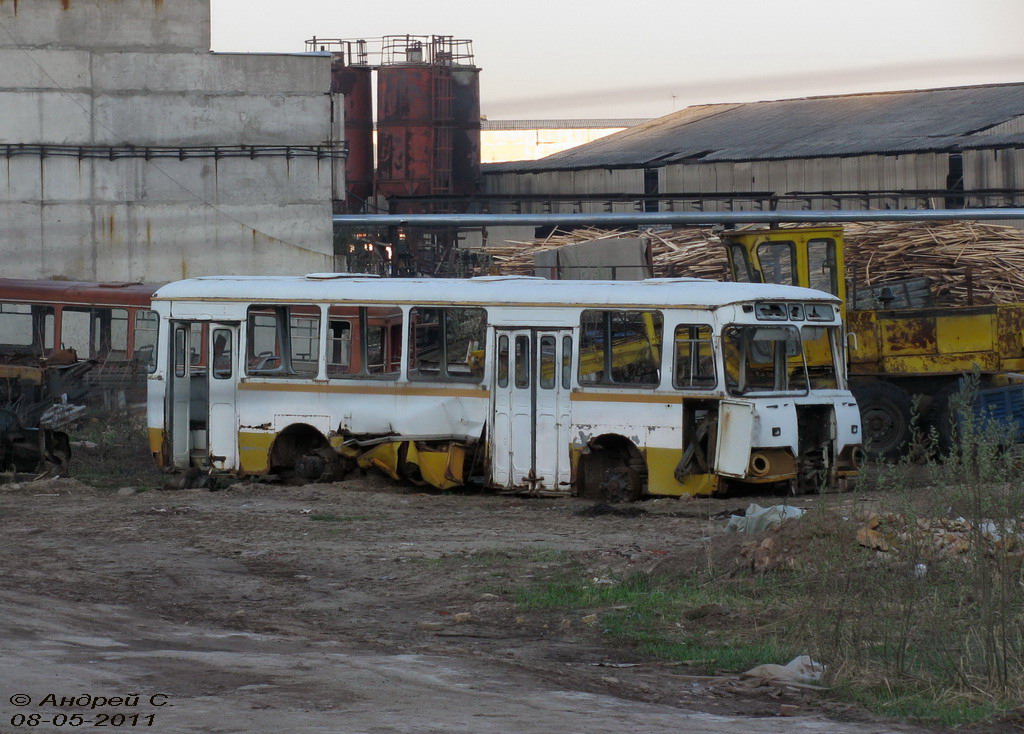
{"points": [[612, 390]]}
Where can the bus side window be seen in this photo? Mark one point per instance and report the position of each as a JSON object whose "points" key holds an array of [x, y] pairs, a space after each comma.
{"points": [[304, 340], [26, 328], [109, 334], [620, 348], [339, 347], [694, 357], [75, 330], [146, 332], [365, 341], [447, 344], [265, 340], [383, 330], [464, 342], [283, 341]]}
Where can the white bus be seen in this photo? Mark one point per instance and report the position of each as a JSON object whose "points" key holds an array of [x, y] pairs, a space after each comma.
{"points": [[604, 389]]}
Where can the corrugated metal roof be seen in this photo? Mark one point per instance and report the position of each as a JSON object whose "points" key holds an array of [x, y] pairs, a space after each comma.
{"points": [[860, 124]]}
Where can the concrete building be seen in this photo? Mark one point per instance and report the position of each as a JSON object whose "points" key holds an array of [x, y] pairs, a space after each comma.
{"points": [[935, 148], [128, 151]]}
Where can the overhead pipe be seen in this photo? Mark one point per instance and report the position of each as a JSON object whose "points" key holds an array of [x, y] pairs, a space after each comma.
{"points": [[617, 219]]}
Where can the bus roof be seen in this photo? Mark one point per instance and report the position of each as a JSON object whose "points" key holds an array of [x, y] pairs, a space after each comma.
{"points": [[486, 290], [76, 293]]}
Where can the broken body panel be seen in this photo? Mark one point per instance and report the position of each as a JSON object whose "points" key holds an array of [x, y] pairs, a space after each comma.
{"points": [[607, 389]]}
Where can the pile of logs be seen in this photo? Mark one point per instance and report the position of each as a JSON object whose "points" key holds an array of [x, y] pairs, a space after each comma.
{"points": [[949, 254], [690, 252]]}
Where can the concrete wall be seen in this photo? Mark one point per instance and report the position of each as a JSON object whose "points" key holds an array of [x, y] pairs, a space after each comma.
{"points": [[107, 25], [151, 182]]}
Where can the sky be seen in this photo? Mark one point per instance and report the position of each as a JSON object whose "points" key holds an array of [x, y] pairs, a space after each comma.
{"points": [[561, 59]]}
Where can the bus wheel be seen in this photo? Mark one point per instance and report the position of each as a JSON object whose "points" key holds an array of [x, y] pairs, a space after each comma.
{"points": [[885, 418], [320, 465], [609, 474]]}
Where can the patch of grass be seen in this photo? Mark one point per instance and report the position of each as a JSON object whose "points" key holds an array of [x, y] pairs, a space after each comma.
{"points": [[920, 704], [650, 613]]}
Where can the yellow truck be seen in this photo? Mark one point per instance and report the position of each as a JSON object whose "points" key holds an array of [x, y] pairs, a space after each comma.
{"points": [[901, 347]]}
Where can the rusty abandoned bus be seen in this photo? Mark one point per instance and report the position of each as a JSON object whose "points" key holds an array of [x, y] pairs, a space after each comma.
{"points": [[605, 389]]}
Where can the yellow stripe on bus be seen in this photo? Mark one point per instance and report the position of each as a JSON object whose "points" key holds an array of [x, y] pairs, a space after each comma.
{"points": [[614, 397], [366, 389]]}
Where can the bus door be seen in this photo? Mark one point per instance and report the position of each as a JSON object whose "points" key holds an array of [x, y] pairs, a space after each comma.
{"points": [[531, 413], [222, 428], [177, 411]]}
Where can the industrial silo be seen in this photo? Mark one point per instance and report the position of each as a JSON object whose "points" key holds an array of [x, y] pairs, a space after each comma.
{"points": [[427, 89], [466, 178], [352, 77]]}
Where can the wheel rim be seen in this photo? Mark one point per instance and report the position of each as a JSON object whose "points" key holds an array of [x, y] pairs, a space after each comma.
{"points": [[883, 428]]}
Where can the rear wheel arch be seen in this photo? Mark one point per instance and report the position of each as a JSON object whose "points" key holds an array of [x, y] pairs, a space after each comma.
{"points": [[611, 468]]}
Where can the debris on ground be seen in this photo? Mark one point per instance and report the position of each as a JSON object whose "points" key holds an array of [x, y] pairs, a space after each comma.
{"points": [[54, 486], [756, 519], [801, 669], [893, 533]]}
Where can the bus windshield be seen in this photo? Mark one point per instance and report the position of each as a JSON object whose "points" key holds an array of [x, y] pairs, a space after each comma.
{"points": [[779, 359]]}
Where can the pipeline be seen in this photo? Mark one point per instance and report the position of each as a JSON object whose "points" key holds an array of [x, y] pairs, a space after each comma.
{"points": [[617, 219]]}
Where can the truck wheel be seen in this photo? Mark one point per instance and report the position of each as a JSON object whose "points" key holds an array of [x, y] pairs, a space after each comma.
{"points": [[885, 419]]}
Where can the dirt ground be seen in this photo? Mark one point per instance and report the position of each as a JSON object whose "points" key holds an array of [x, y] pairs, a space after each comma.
{"points": [[361, 606]]}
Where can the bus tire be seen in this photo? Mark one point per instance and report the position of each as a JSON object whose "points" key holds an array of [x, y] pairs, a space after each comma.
{"points": [[609, 472], [885, 419]]}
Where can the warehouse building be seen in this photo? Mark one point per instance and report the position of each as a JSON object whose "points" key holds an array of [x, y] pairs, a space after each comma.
{"points": [[128, 151], [936, 148]]}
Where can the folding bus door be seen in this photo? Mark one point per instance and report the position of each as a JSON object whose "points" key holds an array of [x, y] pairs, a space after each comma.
{"points": [[529, 444]]}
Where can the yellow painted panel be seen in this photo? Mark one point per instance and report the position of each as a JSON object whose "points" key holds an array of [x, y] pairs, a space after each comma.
{"points": [[612, 397], [384, 457], [863, 325], [907, 336], [661, 479], [958, 334], [442, 469], [156, 440], [941, 364], [254, 451], [414, 390]]}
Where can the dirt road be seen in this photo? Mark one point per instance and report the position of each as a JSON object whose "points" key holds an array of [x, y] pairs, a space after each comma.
{"points": [[355, 607]]}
